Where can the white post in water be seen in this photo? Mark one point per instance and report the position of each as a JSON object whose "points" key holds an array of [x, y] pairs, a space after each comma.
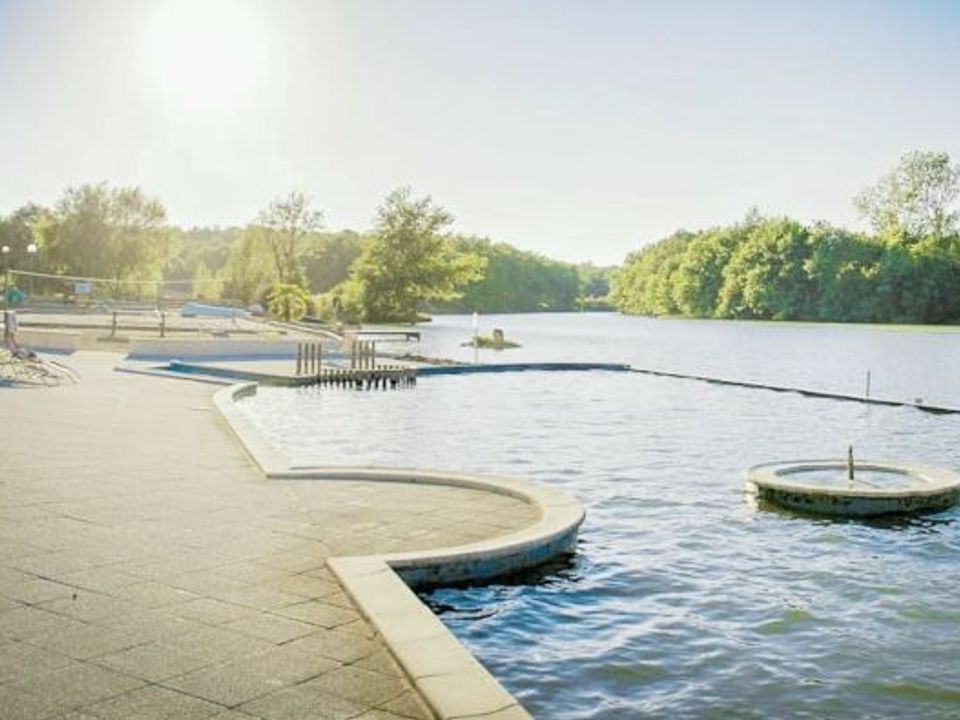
{"points": [[868, 383], [476, 338]]}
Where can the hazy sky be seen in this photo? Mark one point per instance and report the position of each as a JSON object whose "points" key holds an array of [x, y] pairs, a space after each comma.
{"points": [[577, 129]]}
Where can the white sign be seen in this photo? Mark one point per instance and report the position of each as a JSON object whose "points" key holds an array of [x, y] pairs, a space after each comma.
{"points": [[83, 288]]}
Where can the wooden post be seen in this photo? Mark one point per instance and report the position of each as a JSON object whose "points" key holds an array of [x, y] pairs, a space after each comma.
{"points": [[299, 358], [319, 360], [163, 324], [373, 355], [113, 327], [850, 464], [868, 382], [353, 354]]}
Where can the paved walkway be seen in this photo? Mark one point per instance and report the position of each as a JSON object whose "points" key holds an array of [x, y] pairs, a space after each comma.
{"points": [[147, 570]]}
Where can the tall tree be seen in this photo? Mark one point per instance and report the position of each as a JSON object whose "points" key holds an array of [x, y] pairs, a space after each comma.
{"points": [[249, 271], [286, 223], [918, 199], [99, 231], [408, 261]]}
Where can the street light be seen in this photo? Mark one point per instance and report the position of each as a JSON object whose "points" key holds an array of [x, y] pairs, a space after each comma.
{"points": [[32, 252]]}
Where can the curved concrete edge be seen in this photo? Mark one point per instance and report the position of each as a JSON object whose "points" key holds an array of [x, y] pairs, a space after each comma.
{"points": [[260, 451], [774, 476], [449, 678]]}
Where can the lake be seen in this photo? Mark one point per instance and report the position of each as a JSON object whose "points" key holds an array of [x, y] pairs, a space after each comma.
{"points": [[683, 599]]}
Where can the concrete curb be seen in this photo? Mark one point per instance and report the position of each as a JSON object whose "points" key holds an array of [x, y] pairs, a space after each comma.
{"points": [[449, 678]]}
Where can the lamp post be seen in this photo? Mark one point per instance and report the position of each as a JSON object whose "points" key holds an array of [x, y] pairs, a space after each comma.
{"points": [[32, 252], [4, 251]]}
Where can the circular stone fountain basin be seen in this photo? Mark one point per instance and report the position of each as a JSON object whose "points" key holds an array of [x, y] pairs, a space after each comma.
{"points": [[878, 488]]}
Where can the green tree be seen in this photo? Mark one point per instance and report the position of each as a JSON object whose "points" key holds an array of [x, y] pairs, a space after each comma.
{"points": [[116, 233], [328, 257], [843, 268], [288, 302], [408, 262], [643, 285], [206, 284], [286, 223], [918, 198], [515, 281], [249, 270], [766, 276]]}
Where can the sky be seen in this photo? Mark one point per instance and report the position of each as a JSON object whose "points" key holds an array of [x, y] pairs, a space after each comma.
{"points": [[580, 130]]}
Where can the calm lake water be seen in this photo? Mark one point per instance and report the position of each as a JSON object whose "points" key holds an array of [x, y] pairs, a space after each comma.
{"points": [[683, 600]]}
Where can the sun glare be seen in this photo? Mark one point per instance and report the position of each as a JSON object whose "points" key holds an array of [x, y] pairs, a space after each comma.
{"points": [[204, 57]]}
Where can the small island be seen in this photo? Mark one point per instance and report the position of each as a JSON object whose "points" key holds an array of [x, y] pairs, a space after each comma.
{"points": [[496, 341]]}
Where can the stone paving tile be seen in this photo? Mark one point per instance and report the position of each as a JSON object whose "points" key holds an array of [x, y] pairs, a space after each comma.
{"points": [[211, 611], [305, 586], [358, 685], [217, 644], [19, 662], [152, 662], [88, 606], [31, 589], [142, 546], [274, 628], [103, 579], [18, 705], [321, 614], [302, 701], [228, 685], [152, 594], [153, 703], [26, 622], [83, 641], [258, 597], [75, 685], [408, 705], [340, 645], [203, 583], [151, 624]]}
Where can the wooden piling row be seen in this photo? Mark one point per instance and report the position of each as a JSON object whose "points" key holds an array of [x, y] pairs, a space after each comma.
{"points": [[389, 377], [363, 355], [309, 358]]}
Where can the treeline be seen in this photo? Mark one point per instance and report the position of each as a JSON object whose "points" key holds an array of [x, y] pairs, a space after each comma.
{"points": [[520, 281], [286, 260], [906, 270]]}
